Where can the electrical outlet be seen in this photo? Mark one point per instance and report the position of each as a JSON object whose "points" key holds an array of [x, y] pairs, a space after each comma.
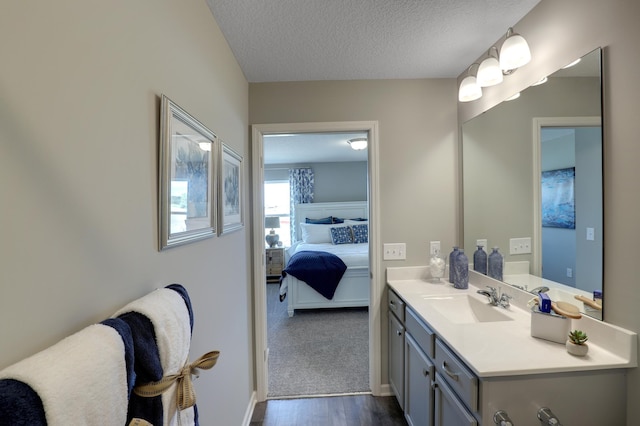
{"points": [[520, 245], [484, 243], [590, 234], [394, 251], [434, 247], [569, 272]]}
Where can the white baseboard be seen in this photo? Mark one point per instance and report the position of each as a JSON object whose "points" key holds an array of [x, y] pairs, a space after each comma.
{"points": [[249, 413], [385, 390]]}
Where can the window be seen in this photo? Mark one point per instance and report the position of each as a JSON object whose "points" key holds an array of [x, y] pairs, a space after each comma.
{"points": [[277, 202]]}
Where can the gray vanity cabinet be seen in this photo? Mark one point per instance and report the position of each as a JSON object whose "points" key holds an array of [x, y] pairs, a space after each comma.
{"points": [[449, 411], [396, 358], [396, 346], [419, 400]]}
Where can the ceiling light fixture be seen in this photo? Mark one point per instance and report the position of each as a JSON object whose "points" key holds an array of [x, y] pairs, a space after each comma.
{"points": [[469, 90], [489, 71], [514, 52], [358, 144]]}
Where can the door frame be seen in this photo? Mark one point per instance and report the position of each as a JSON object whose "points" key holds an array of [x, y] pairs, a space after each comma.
{"points": [[376, 285], [538, 124]]}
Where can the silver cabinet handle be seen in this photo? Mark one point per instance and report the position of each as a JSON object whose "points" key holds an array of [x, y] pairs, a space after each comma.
{"points": [[425, 372], [450, 373], [399, 332]]}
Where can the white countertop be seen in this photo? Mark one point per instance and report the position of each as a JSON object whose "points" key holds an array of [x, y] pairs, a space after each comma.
{"points": [[506, 348]]}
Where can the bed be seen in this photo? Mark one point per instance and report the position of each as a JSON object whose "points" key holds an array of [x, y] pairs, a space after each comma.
{"points": [[354, 286]]}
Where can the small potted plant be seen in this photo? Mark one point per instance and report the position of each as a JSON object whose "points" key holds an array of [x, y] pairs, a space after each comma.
{"points": [[576, 343]]}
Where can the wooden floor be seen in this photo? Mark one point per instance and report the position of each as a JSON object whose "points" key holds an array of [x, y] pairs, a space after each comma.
{"points": [[357, 410]]}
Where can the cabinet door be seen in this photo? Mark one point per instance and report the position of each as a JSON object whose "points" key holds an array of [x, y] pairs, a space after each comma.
{"points": [[419, 370], [396, 358], [449, 411]]}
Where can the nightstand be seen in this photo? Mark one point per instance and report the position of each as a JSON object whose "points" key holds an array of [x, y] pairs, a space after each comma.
{"points": [[275, 263]]}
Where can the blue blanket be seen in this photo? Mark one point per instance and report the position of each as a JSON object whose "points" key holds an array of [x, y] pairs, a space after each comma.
{"points": [[322, 271]]}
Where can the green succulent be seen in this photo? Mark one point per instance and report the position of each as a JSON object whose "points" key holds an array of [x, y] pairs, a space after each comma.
{"points": [[578, 337]]}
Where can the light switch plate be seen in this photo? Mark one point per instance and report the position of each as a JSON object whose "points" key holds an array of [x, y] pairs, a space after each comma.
{"points": [[394, 251], [520, 245], [484, 243], [434, 247]]}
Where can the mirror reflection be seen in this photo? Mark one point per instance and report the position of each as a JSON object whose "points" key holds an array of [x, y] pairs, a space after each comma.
{"points": [[532, 182]]}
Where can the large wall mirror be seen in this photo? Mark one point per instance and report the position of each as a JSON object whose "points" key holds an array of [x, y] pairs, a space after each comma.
{"points": [[532, 168]]}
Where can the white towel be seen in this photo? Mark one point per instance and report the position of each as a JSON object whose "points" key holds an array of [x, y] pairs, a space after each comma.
{"points": [[81, 380], [168, 313]]}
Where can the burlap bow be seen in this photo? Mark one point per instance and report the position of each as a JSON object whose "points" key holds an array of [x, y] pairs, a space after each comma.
{"points": [[185, 395]]}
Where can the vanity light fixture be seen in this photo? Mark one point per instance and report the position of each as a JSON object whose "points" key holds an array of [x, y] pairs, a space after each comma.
{"points": [[469, 89], [543, 80], [572, 64], [489, 71], [358, 144], [514, 52], [511, 98]]}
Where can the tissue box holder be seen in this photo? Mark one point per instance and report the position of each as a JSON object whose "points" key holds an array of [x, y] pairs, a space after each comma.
{"points": [[552, 327]]}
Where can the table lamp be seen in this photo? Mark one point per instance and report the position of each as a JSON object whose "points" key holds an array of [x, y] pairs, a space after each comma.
{"points": [[272, 222]]}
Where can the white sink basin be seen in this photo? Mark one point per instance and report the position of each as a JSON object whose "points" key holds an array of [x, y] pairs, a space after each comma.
{"points": [[465, 309]]}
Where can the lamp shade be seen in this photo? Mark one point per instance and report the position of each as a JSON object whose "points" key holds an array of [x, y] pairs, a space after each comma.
{"points": [[469, 90], [272, 222], [489, 72], [514, 52]]}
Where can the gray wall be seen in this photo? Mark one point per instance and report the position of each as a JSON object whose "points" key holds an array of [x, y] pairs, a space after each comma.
{"points": [[334, 182], [80, 87], [417, 153], [559, 31]]}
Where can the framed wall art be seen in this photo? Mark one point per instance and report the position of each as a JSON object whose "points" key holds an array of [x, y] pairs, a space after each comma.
{"points": [[187, 177], [231, 209], [558, 202]]}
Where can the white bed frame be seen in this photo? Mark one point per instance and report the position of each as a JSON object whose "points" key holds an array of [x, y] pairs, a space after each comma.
{"points": [[354, 287]]}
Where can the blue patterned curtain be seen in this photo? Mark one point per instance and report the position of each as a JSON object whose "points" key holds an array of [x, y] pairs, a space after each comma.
{"points": [[301, 191]]}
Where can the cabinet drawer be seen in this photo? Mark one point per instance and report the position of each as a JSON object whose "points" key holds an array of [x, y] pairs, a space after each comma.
{"points": [[422, 334], [396, 305], [276, 255], [461, 380], [274, 270]]}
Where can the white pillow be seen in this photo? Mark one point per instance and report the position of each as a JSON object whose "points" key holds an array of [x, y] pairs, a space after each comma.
{"points": [[356, 222], [316, 234]]}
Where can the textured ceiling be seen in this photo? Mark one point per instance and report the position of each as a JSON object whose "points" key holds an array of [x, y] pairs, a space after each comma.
{"points": [[304, 40]]}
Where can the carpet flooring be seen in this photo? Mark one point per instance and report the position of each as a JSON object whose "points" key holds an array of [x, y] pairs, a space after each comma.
{"points": [[317, 351]]}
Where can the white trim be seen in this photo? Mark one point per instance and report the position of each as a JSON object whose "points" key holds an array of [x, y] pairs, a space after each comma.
{"points": [[538, 124], [248, 414], [258, 131]]}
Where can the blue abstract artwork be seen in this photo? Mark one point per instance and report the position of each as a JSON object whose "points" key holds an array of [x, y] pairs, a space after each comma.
{"points": [[558, 201]]}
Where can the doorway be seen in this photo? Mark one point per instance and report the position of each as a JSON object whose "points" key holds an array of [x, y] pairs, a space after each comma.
{"points": [[260, 291]]}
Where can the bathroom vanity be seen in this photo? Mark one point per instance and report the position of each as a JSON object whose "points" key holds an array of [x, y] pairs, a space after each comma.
{"points": [[454, 359]]}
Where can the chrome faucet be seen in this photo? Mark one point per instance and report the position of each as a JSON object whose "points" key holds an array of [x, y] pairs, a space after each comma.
{"points": [[495, 298], [541, 289]]}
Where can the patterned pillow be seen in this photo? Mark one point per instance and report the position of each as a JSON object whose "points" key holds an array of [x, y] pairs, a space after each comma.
{"points": [[360, 233], [341, 235]]}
